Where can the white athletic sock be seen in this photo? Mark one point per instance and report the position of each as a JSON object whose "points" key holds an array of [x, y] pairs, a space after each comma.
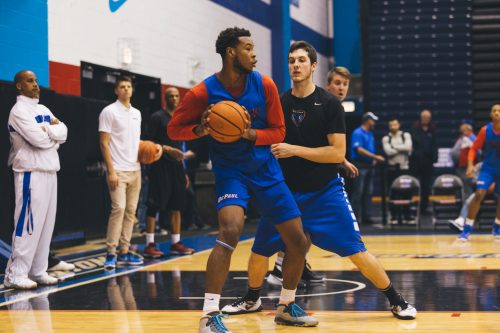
{"points": [[211, 303], [150, 238], [469, 221], [497, 221], [176, 238], [279, 261], [287, 296]]}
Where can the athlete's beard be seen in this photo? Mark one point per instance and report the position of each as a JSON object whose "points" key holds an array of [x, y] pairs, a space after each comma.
{"points": [[240, 68]]}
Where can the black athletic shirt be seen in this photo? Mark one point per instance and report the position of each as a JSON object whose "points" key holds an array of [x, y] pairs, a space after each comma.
{"points": [[308, 122], [158, 132]]}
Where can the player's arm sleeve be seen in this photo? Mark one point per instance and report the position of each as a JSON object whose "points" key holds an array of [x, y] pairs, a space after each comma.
{"points": [[388, 149], [105, 121], [356, 140], [478, 144], [275, 133], [33, 133], [188, 114]]}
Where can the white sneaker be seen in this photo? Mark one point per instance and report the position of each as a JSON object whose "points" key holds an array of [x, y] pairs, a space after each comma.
{"points": [[457, 223], [241, 306], [19, 283], [62, 266], [46, 280], [408, 313]]}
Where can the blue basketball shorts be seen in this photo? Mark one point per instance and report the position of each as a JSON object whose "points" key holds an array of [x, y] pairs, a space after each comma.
{"points": [[273, 199], [327, 216], [488, 176]]}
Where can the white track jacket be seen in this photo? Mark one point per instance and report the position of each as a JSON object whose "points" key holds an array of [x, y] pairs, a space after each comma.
{"points": [[34, 142]]}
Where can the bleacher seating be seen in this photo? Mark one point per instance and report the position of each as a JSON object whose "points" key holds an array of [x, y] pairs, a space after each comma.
{"points": [[419, 55]]}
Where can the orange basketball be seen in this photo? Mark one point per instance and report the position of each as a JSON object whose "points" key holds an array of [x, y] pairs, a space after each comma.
{"points": [[227, 121], [147, 152]]}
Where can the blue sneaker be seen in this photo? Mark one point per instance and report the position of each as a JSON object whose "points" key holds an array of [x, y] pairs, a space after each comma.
{"points": [[496, 231], [110, 262], [212, 323], [464, 236], [293, 315], [129, 259]]}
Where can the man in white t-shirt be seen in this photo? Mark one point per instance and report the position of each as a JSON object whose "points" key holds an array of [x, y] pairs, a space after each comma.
{"points": [[119, 136]]}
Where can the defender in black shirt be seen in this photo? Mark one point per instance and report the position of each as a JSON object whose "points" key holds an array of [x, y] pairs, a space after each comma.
{"points": [[314, 146], [309, 121]]}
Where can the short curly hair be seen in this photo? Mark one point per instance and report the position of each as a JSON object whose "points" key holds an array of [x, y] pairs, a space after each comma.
{"points": [[229, 38]]}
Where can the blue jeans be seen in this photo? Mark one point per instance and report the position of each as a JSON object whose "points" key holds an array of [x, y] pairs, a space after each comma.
{"points": [[362, 191], [142, 208]]}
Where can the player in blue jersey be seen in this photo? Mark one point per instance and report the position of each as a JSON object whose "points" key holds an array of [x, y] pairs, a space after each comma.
{"points": [[243, 168], [314, 148], [488, 140]]}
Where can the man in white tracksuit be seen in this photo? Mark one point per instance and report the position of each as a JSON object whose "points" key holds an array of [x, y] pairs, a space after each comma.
{"points": [[35, 136]]}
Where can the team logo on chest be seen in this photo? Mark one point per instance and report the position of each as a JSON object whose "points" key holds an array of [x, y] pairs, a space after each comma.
{"points": [[298, 117]]}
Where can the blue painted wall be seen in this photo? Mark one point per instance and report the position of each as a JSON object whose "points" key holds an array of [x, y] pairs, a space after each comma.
{"points": [[281, 32], [347, 35], [24, 39]]}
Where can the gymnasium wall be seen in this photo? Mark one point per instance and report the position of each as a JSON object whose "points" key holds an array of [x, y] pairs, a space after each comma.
{"points": [[23, 38], [167, 38], [171, 39]]}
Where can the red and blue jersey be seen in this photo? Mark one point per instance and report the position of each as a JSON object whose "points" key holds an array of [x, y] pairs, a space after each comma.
{"points": [[489, 142], [260, 97]]}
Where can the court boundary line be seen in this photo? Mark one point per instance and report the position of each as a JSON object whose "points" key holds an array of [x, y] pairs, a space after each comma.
{"points": [[82, 283]]}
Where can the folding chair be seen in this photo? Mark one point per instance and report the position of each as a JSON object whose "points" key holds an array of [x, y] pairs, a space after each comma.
{"points": [[447, 198], [404, 199]]}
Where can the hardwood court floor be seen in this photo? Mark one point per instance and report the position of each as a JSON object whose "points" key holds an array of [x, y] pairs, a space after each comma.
{"points": [[455, 287], [186, 321]]}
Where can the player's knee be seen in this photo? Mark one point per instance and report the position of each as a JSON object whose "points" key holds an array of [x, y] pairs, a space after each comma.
{"points": [[298, 244], [479, 196], [117, 210], [151, 212], [357, 258], [130, 209], [229, 234]]}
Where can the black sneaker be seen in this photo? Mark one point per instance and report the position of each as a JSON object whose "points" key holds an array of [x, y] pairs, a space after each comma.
{"points": [[308, 276], [275, 279]]}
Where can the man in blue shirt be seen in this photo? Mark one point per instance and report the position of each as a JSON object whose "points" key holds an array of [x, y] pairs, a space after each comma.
{"points": [[364, 157]]}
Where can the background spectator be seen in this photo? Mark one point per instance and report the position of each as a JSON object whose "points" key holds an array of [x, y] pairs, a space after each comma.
{"points": [[459, 154], [363, 156], [424, 154]]}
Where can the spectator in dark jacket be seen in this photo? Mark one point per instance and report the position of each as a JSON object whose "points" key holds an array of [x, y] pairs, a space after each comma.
{"points": [[424, 155]]}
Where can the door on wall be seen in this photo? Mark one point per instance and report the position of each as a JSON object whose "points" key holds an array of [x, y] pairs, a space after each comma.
{"points": [[98, 82]]}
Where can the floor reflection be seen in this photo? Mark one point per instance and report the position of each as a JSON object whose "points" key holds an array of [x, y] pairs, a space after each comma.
{"points": [[176, 290], [22, 314]]}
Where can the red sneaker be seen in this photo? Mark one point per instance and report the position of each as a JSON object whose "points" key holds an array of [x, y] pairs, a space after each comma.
{"points": [[179, 248], [151, 251]]}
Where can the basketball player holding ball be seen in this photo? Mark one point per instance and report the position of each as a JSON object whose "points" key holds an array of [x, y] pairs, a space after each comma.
{"points": [[243, 168], [313, 150]]}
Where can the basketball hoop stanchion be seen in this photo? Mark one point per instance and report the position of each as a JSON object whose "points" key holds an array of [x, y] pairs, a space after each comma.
{"points": [[383, 178]]}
